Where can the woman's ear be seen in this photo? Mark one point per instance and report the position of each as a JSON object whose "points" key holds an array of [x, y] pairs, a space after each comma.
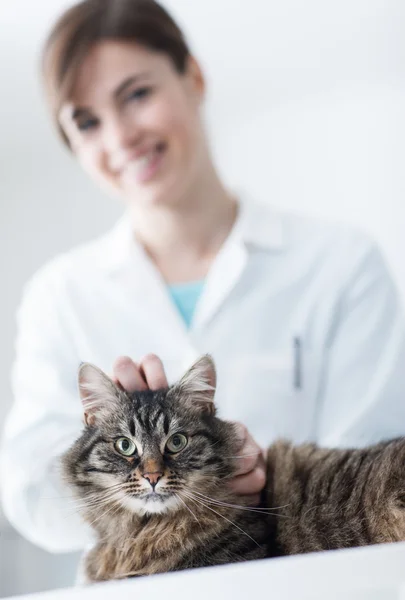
{"points": [[97, 392], [195, 78]]}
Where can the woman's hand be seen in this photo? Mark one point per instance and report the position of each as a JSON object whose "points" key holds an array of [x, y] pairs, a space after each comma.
{"points": [[149, 373], [250, 476], [134, 377]]}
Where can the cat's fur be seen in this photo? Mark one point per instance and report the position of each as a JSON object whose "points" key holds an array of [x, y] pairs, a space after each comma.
{"points": [[315, 499]]}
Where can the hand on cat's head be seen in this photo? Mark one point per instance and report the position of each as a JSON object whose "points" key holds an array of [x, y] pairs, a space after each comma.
{"points": [[101, 394], [149, 373], [154, 448], [148, 450]]}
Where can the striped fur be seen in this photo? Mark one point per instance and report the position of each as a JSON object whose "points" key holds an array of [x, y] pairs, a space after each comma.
{"points": [[315, 499]]}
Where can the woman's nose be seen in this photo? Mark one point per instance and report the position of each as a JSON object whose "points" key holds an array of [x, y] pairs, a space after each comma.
{"points": [[120, 135]]}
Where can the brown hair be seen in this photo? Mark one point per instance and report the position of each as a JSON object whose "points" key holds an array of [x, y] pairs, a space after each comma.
{"points": [[142, 21]]}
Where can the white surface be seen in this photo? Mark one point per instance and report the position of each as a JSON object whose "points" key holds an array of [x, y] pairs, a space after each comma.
{"points": [[361, 574]]}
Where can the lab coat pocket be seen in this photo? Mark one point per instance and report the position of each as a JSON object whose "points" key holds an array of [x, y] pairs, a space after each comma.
{"points": [[273, 375], [269, 394], [260, 380]]}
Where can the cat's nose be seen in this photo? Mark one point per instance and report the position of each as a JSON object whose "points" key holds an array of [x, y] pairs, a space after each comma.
{"points": [[153, 478]]}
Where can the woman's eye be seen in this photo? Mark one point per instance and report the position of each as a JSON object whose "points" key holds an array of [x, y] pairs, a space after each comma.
{"points": [[125, 446], [87, 124], [176, 443], [139, 93]]}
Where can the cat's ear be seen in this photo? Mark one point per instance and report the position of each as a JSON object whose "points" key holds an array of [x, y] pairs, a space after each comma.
{"points": [[197, 386], [97, 391]]}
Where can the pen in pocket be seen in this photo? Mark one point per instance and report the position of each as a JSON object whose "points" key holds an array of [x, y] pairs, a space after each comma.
{"points": [[297, 363]]}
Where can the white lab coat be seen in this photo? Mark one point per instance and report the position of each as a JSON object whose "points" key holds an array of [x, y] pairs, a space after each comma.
{"points": [[301, 317]]}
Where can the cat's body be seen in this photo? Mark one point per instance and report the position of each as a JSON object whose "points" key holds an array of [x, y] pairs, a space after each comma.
{"points": [[336, 498], [315, 499]]}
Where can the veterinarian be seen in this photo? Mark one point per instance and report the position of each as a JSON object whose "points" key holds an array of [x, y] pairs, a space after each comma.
{"points": [[302, 318]]}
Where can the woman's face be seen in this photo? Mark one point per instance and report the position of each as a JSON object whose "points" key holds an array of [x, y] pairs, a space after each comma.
{"points": [[134, 122]]}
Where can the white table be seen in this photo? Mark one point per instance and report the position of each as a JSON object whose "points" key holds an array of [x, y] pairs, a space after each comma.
{"points": [[373, 573]]}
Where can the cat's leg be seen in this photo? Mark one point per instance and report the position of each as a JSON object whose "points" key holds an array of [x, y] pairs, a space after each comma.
{"points": [[101, 564]]}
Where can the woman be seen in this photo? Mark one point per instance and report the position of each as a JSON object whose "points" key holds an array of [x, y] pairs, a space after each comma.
{"points": [[302, 319]]}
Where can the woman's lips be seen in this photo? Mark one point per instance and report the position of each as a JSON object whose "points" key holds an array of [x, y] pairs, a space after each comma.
{"points": [[143, 169]]}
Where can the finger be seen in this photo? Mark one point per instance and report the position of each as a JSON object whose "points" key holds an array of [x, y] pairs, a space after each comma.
{"points": [[153, 372], [252, 483], [128, 375], [248, 459], [241, 433]]}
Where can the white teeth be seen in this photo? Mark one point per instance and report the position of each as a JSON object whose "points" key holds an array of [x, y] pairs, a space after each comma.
{"points": [[145, 160], [139, 164]]}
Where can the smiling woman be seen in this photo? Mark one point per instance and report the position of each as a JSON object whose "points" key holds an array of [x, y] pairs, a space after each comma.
{"points": [[302, 318], [142, 22], [128, 108], [132, 129]]}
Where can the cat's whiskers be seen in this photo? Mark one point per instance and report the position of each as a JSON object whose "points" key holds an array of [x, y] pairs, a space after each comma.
{"points": [[103, 490], [97, 500], [74, 500], [95, 505], [257, 454], [104, 514], [114, 505], [256, 509], [199, 501], [188, 508], [99, 504], [103, 501], [80, 508], [81, 504]]}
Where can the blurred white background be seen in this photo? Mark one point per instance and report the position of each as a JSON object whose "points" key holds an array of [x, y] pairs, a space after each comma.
{"points": [[306, 109]]}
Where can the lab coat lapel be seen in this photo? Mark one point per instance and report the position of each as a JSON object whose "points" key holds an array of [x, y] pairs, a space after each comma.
{"points": [[142, 284], [256, 226], [225, 272], [128, 263]]}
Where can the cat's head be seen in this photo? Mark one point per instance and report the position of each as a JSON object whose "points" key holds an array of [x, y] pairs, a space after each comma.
{"points": [[149, 452]]}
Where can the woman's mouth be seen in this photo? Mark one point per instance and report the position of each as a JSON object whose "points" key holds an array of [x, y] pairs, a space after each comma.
{"points": [[144, 168]]}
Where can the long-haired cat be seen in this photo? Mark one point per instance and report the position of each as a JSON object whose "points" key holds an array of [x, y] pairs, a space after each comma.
{"points": [[151, 470]]}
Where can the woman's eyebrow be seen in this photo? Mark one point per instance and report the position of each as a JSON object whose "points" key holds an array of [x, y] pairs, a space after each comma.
{"points": [[78, 112], [129, 81]]}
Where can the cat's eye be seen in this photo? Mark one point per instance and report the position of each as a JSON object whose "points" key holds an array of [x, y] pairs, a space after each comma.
{"points": [[125, 446], [176, 443]]}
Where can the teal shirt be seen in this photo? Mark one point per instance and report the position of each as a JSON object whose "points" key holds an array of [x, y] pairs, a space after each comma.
{"points": [[185, 297]]}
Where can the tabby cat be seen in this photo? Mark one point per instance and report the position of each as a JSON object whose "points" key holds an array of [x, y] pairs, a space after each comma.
{"points": [[151, 470]]}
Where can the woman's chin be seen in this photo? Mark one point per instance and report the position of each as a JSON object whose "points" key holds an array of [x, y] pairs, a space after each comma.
{"points": [[153, 196]]}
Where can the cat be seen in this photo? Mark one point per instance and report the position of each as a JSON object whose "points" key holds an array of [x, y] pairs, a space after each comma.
{"points": [[151, 471]]}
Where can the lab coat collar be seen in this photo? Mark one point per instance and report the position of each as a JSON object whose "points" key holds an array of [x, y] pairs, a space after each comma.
{"points": [[257, 225]]}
